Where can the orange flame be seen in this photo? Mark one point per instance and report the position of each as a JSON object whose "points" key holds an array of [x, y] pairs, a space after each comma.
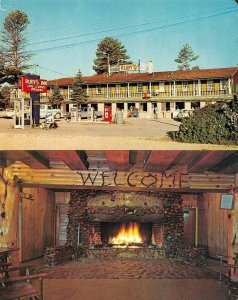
{"points": [[128, 235]]}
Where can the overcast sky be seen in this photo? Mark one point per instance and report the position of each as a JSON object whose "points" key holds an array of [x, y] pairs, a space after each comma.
{"points": [[64, 34]]}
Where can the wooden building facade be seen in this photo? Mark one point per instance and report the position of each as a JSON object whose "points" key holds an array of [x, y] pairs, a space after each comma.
{"points": [[157, 92]]}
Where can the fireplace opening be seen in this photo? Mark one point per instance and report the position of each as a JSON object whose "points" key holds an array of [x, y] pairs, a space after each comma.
{"points": [[126, 235]]}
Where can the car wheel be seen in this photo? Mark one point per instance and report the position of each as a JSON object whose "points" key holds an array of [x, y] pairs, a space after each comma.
{"points": [[57, 115]]}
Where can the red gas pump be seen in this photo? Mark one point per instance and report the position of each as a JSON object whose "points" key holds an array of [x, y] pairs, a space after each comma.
{"points": [[107, 113]]}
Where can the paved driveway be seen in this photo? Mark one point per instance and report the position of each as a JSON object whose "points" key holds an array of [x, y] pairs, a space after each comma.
{"points": [[134, 134]]}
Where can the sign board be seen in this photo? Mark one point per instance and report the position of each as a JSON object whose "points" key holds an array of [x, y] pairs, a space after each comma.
{"points": [[33, 85], [130, 67]]}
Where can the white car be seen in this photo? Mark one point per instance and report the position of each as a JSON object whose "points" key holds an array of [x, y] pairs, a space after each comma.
{"points": [[184, 113], [9, 114]]}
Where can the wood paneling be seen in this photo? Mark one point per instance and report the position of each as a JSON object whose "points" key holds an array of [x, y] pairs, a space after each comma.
{"points": [[38, 223], [213, 224], [62, 197]]}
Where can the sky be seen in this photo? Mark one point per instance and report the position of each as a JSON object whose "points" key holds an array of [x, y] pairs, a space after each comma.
{"points": [[63, 34]]}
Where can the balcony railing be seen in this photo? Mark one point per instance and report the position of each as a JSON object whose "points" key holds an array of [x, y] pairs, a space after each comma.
{"points": [[154, 94], [171, 93]]}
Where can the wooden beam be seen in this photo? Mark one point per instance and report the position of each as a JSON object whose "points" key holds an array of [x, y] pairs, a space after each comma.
{"points": [[131, 180], [30, 158], [40, 161], [205, 160], [118, 160], [137, 159], [97, 160], [75, 160], [160, 161], [227, 165]]}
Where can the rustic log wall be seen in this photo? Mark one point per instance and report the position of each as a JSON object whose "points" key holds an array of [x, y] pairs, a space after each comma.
{"points": [[213, 224], [38, 222], [9, 209]]}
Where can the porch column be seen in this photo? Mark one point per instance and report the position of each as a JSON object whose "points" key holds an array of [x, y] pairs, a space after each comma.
{"points": [[101, 107], [150, 111], [125, 114], [150, 88], [107, 91], [187, 105], [229, 86], [114, 109], [174, 89], [199, 87], [128, 90], [159, 106], [87, 90]]}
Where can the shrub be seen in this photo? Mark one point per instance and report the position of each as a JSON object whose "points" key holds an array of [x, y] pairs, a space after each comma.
{"points": [[213, 124]]}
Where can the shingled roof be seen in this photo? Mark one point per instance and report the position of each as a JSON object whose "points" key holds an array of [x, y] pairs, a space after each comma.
{"points": [[145, 77]]}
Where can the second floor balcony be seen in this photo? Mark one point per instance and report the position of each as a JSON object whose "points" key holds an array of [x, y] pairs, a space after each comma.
{"points": [[157, 94]]}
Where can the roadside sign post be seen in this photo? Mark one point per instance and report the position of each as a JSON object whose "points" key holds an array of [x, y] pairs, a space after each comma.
{"points": [[34, 85]]}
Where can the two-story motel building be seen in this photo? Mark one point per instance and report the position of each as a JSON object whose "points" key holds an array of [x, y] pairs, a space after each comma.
{"points": [[162, 92]]}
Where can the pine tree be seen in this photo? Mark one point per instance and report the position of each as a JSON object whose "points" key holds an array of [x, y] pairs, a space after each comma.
{"points": [[185, 57], [78, 94], [5, 95], [109, 51], [13, 39], [56, 98]]}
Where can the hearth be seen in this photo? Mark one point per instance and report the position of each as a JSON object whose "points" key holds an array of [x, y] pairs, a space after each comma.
{"points": [[97, 217], [126, 235]]}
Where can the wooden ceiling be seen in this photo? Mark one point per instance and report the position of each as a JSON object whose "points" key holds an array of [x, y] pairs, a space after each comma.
{"points": [[223, 162]]}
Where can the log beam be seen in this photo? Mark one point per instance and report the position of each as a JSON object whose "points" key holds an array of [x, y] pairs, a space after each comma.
{"points": [[130, 180]]}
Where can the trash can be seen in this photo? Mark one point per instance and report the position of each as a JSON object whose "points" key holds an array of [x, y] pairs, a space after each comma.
{"points": [[119, 117]]}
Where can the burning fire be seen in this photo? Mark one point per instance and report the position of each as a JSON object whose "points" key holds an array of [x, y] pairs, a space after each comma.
{"points": [[128, 235]]}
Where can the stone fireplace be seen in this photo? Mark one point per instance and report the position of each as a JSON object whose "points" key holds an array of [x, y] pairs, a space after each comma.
{"points": [[97, 218]]}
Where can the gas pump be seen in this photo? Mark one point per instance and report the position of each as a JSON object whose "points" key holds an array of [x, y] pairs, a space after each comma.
{"points": [[107, 113]]}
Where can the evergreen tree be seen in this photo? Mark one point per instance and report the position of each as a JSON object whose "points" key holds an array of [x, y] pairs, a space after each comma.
{"points": [[78, 94], [109, 51], [185, 57], [56, 98], [13, 39], [5, 95]]}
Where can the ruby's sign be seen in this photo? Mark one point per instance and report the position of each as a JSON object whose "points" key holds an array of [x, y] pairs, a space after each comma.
{"points": [[33, 85], [129, 67]]}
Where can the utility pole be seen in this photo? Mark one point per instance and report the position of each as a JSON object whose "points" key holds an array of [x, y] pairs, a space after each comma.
{"points": [[108, 65], [139, 65]]}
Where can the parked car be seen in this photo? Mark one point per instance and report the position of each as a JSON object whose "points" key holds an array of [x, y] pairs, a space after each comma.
{"points": [[184, 113], [175, 113], [2, 113], [9, 114], [45, 109], [85, 113]]}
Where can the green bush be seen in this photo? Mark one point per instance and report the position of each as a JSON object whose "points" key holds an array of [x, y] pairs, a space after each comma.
{"points": [[213, 124]]}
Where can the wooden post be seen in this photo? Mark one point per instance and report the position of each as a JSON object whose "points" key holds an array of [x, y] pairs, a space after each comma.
{"points": [[9, 201]]}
